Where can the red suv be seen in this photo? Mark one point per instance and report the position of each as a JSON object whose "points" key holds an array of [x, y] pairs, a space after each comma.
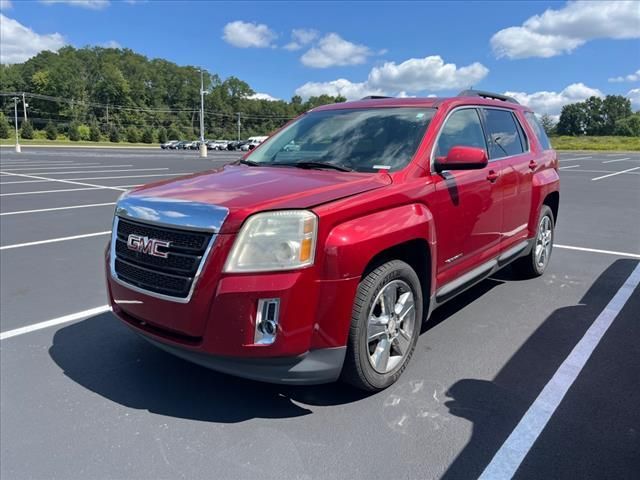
{"points": [[320, 253]]}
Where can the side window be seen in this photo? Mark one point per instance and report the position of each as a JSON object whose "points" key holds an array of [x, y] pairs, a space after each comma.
{"points": [[503, 135], [539, 131], [462, 128]]}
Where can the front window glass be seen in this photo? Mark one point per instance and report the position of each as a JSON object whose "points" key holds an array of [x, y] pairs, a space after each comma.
{"points": [[354, 139], [462, 129]]}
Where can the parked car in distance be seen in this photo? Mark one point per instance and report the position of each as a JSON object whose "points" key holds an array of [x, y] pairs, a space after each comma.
{"points": [[217, 145], [234, 145], [170, 145], [252, 142], [181, 145], [322, 263]]}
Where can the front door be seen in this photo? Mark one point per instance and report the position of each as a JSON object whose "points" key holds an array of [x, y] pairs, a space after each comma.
{"points": [[467, 204]]}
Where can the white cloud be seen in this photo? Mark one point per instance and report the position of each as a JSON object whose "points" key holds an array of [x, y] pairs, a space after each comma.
{"points": [[245, 35], [333, 50], [341, 86], [555, 32], [111, 44], [632, 77], [634, 96], [90, 4], [551, 103], [263, 96], [5, 4], [428, 73], [405, 79], [20, 43], [301, 37]]}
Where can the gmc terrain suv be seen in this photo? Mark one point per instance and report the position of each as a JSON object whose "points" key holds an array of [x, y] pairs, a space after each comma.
{"points": [[317, 263]]}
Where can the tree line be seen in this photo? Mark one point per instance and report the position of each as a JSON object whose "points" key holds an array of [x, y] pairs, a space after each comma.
{"points": [[97, 93], [597, 116]]}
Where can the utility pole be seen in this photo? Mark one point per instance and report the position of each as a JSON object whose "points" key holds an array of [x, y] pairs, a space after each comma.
{"points": [[239, 113], [15, 117], [24, 107], [203, 147]]}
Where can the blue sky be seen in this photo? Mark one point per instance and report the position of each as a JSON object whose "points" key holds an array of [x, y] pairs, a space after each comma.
{"points": [[573, 50]]}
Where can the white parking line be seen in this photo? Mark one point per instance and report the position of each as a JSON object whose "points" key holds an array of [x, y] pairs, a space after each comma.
{"points": [[58, 180], [101, 178], [86, 165], [55, 321], [36, 164], [616, 173], [39, 192], [53, 240], [603, 171], [561, 168], [619, 160], [101, 171], [596, 250], [506, 461], [573, 159], [54, 209]]}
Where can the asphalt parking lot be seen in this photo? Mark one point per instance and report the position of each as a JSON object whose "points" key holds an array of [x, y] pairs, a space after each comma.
{"points": [[84, 397]]}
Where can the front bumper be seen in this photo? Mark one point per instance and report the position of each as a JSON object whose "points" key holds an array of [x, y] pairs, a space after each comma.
{"points": [[311, 368]]}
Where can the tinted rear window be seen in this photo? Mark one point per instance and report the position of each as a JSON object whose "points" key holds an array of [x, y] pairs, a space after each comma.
{"points": [[535, 125], [503, 134]]}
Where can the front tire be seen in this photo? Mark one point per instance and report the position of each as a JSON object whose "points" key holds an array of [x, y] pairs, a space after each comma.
{"points": [[385, 325], [535, 263]]}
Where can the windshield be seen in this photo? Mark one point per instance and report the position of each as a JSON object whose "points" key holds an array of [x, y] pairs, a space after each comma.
{"points": [[362, 140]]}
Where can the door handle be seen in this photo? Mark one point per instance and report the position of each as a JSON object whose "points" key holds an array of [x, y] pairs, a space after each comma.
{"points": [[533, 164], [492, 176]]}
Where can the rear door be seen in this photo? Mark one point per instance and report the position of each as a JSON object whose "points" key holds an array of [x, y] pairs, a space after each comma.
{"points": [[466, 204], [509, 152]]}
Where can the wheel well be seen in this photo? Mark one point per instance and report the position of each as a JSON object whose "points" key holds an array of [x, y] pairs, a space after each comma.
{"points": [[416, 253], [553, 202]]}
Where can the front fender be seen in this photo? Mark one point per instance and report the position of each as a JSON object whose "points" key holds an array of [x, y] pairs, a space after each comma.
{"points": [[351, 245]]}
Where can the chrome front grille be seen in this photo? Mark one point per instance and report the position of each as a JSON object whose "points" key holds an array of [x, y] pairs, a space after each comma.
{"points": [[184, 233], [173, 275]]}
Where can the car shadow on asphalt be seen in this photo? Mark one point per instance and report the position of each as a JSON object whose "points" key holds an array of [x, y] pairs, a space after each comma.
{"points": [[106, 357], [595, 431]]}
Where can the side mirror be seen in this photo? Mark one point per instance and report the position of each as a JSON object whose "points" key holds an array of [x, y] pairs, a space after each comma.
{"points": [[462, 158]]}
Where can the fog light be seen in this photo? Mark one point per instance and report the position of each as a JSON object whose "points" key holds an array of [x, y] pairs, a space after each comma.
{"points": [[267, 321]]}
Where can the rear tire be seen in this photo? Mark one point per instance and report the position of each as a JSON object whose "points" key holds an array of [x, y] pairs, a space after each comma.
{"points": [[535, 263], [385, 325]]}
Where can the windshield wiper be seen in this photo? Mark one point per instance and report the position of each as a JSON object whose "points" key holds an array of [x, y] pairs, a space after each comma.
{"points": [[311, 165], [251, 163]]}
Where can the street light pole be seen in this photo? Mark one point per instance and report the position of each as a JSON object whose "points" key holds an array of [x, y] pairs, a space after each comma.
{"points": [[238, 126], [203, 147], [15, 117], [24, 107]]}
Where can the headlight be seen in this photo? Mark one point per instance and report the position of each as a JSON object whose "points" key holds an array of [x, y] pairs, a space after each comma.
{"points": [[281, 240]]}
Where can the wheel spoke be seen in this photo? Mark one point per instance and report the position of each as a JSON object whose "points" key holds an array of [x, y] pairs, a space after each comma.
{"points": [[381, 354], [389, 297], [402, 342], [375, 331]]}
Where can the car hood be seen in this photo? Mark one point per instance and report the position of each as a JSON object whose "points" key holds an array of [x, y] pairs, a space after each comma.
{"points": [[244, 190]]}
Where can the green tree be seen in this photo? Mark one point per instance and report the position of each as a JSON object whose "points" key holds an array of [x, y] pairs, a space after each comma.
{"points": [[114, 134], [5, 128], [548, 124], [628, 126], [85, 132], [174, 133], [162, 135], [51, 130], [74, 131], [132, 135], [614, 108], [26, 130], [94, 132], [573, 120], [147, 135]]}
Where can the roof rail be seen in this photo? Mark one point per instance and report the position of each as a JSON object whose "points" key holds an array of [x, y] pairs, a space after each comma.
{"points": [[494, 96], [374, 97]]}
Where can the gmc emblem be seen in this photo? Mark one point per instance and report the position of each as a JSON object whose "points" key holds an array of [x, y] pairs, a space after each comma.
{"points": [[147, 245]]}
